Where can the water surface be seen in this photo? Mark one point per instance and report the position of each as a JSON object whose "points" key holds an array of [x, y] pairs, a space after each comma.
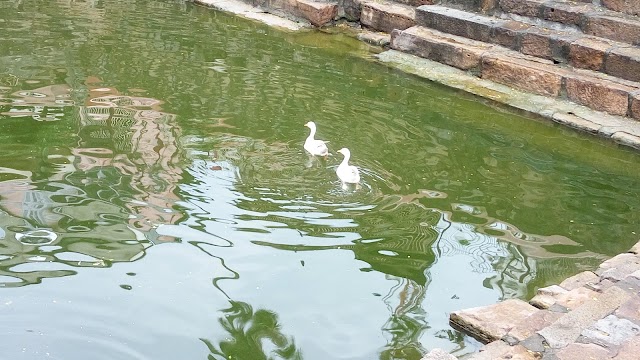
{"points": [[156, 202]]}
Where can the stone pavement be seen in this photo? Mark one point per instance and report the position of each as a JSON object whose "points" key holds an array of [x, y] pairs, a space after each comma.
{"points": [[589, 316]]}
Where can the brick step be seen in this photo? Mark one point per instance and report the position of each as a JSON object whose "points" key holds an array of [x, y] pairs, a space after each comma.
{"points": [[564, 46], [497, 63], [387, 16], [589, 18], [631, 7]]}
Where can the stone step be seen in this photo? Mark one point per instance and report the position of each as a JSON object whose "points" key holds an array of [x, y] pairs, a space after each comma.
{"points": [[572, 47], [631, 7], [497, 63], [387, 16], [589, 18]]}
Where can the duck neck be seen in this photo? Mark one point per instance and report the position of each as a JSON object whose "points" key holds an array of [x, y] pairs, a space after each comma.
{"points": [[312, 134], [345, 161]]}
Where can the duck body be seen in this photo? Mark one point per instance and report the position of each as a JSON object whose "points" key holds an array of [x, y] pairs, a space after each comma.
{"points": [[313, 146], [348, 174]]}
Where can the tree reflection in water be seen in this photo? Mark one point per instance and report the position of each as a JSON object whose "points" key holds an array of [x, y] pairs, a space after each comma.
{"points": [[252, 335]]}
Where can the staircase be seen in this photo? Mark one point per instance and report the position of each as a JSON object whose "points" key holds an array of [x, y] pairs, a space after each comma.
{"points": [[586, 53]]}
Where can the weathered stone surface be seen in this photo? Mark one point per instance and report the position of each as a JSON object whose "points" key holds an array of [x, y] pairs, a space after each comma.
{"points": [[575, 297], [566, 330], [490, 323], [579, 280], [629, 350], [522, 74], [318, 13], [577, 351], [618, 261], [546, 296], [635, 111], [564, 13], [624, 63], [524, 328], [507, 33], [610, 332], [630, 310], [387, 16], [531, 8], [438, 354], [614, 28], [375, 38], [579, 123], [626, 139], [534, 343], [599, 286], [501, 350], [621, 271], [598, 94], [626, 6], [588, 53], [456, 22], [635, 249], [350, 9], [444, 48]]}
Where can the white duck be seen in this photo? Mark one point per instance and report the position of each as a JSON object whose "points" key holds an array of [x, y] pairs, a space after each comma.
{"points": [[348, 174], [313, 146]]}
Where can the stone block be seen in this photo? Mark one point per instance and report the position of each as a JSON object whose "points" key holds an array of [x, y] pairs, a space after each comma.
{"points": [[456, 22], [350, 9], [588, 53], [532, 8], [624, 62], [618, 261], [629, 350], [579, 123], [635, 106], [507, 33], [598, 94], [547, 44], [523, 74], [577, 351], [626, 139], [387, 17], [630, 310], [635, 249], [579, 280], [564, 13], [610, 333], [501, 350], [438, 354], [318, 13], [444, 48], [524, 328], [626, 6], [599, 286], [576, 297], [568, 328], [612, 27], [490, 323]]}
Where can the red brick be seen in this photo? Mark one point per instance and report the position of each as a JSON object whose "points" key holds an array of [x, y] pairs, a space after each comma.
{"points": [[598, 94], [564, 13], [506, 33], [614, 28], [444, 48], [387, 17], [588, 53], [624, 63], [316, 12], [635, 105], [523, 74], [531, 8], [626, 6]]}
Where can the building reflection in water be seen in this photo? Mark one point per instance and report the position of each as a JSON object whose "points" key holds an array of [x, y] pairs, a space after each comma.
{"points": [[94, 203]]}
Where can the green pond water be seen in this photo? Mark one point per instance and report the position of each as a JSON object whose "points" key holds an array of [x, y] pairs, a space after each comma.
{"points": [[156, 201]]}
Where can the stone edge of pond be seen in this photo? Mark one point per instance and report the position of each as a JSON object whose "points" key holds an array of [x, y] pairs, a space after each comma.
{"points": [[622, 130], [591, 315], [245, 10]]}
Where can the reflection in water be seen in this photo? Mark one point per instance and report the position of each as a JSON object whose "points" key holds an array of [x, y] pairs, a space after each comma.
{"points": [[98, 202], [252, 335]]}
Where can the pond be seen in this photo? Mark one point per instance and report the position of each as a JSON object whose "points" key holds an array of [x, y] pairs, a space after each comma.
{"points": [[156, 201]]}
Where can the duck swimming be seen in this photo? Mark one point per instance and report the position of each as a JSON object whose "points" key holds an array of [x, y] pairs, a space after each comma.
{"points": [[348, 174], [313, 146]]}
